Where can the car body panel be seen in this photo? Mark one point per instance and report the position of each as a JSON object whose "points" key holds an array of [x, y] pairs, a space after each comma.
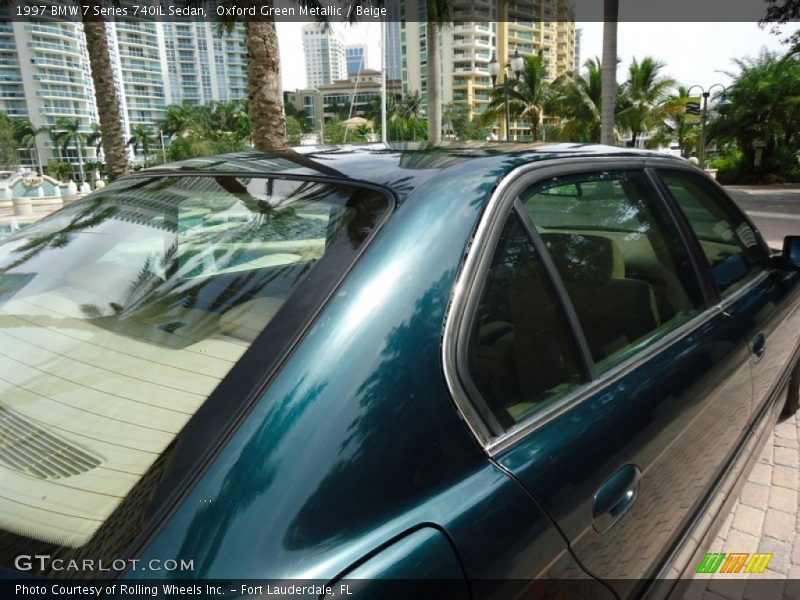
{"points": [[354, 457]]}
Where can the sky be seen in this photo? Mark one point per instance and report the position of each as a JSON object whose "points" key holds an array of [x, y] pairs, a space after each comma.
{"points": [[695, 53]]}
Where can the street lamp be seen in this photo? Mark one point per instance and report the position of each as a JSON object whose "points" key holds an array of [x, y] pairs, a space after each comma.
{"points": [[517, 63], [706, 94]]}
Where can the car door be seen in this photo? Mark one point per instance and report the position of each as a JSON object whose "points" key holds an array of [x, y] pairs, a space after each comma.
{"points": [[761, 299], [615, 392]]}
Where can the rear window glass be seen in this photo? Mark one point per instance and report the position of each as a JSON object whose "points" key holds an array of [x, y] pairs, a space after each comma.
{"points": [[121, 314]]}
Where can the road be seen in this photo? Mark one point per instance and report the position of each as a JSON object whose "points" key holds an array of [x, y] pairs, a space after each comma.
{"points": [[775, 209]]}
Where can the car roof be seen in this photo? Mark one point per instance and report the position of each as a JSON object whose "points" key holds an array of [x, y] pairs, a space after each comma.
{"points": [[399, 167]]}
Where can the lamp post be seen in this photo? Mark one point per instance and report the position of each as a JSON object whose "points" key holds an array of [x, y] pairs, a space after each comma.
{"points": [[706, 94], [517, 63]]}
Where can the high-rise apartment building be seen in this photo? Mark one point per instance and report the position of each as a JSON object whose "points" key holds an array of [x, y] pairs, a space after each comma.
{"points": [[466, 48], [324, 54], [356, 56], [45, 73]]}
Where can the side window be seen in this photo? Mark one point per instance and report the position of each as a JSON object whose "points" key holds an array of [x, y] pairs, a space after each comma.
{"points": [[520, 353], [620, 257], [728, 241]]}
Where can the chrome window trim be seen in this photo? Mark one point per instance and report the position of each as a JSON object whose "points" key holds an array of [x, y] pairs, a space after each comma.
{"points": [[471, 278]]}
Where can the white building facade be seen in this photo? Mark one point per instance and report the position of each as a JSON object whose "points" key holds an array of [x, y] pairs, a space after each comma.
{"points": [[324, 56], [45, 73]]}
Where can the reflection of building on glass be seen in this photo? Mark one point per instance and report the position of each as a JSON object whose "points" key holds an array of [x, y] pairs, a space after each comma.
{"points": [[46, 73], [125, 311]]}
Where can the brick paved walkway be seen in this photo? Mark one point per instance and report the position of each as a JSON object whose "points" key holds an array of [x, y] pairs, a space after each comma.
{"points": [[766, 517]]}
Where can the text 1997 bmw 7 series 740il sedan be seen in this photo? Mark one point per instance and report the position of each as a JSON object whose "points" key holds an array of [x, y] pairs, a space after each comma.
{"points": [[497, 370]]}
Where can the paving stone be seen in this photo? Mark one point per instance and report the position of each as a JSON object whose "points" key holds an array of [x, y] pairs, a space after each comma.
{"points": [[761, 473], [786, 430], [787, 457], [779, 525], [783, 499], [739, 541], [781, 554], [748, 520], [754, 494], [796, 551], [784, 477]]}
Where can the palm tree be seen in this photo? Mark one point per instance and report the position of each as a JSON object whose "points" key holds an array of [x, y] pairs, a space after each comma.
{"points": [[674, 125], [646, 90], [609, 79], [141, 138], [25, 134], [578, 101], [106, 97], [411, 105], [95, 138], [177, 119], [762, 104], [68, 131], [528, 98], [438, 13], [8, 143], [264, 85]]}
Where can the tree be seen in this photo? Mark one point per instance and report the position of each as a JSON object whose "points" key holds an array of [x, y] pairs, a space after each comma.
{"points": [[763, 106], [264, 85], [457, 120], [527, 98], [438, 13], [674, 125], [68, 131], [25, 134], [410, 106], [178, 119], [294, 132], [8, 143], [609, 77], [646, 91], [784, 11], [142, 138], [106, 97], [577, 99], [95, 138]]}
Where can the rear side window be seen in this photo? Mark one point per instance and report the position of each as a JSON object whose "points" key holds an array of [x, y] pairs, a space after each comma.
{"points": [[120, 316], [730, 245], [521, 354], [620, 257]]}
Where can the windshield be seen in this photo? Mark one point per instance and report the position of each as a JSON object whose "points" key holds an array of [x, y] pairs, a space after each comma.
{"points": [[121, 314]]}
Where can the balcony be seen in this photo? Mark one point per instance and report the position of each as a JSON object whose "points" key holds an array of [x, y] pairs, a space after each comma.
{"points": [[62, 94], [145, 80], [61, 32], [50, 78], [57, 110], [61, 64], [51, 47]]}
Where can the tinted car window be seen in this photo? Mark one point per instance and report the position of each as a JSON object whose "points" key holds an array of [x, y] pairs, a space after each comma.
{"points": [[620, 257], [521, 353], [727, 240], [121, 314]]}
